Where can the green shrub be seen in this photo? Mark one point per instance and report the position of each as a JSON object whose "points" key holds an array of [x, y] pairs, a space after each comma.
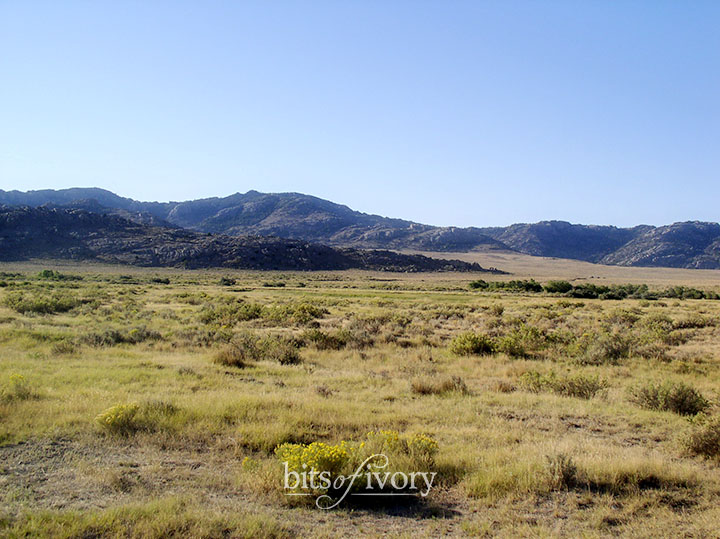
{"points": [[622, 317], [323, 340], [241, 349], [683, 292], [472, 344], [579, 386], [694, 320], [230, 313], [616, 292], [25, 303], [227, 281], [516, 286], [557, 287], [113, 337], [281, 350], [604, 348], [522, 341], [478, 285], [673, 397], [51, 275]]}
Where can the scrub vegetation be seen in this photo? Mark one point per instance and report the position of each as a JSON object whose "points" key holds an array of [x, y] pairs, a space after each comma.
{"points": [[137, 402]]}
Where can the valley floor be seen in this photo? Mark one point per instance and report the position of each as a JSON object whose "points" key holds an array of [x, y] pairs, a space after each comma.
{"points": [[151, 403], [542, 268]]}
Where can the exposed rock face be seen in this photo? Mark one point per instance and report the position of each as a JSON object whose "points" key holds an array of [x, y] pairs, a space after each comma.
{"points": [[681, 245], [82, 235]]}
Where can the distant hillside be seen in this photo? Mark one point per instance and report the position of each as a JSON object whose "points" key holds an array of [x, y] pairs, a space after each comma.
{"points": [[308, 218], [681, 245], [692, 245], [564, 240], [78, 234], [286, 215]]}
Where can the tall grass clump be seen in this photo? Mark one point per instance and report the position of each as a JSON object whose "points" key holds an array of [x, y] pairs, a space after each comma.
{"points": [[247, 347], [17, 388], [704, 439], [562, 471], [242, 349], [439, 386], [169, 516]]}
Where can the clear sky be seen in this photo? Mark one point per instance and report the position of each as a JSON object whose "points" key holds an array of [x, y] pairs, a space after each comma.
{"points": [[446, 112]]}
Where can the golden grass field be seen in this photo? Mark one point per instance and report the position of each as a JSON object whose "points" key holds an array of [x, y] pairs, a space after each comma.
{"points": [[553, 416]]}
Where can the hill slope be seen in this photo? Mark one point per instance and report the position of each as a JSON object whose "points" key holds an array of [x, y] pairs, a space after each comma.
{"points": [[79, 234], [560, 239], [308, 218], [287, 215], [693, 245]]}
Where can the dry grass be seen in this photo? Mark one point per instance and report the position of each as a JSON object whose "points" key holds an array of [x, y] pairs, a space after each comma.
{"points": [[540, 433]]}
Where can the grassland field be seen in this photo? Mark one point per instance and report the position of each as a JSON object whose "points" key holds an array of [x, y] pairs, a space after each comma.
{"points": [[152, 402]]}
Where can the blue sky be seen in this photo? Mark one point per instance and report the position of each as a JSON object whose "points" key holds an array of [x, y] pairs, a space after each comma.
{"points": [[448, 112]]}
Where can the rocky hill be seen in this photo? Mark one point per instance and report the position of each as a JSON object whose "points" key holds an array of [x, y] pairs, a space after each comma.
{"points": [[564, 240], [681, 245], [79, 234], [308, 218], [286, 215]]}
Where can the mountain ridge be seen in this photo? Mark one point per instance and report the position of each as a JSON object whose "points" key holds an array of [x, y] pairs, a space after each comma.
{"points": [[291, 215], [77, 234]]}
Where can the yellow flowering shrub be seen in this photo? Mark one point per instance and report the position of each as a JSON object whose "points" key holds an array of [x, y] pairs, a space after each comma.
{"points": [[129, 418], [423, 447], [412, 453], [17, 388], [317, 455], [119, 419]]}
